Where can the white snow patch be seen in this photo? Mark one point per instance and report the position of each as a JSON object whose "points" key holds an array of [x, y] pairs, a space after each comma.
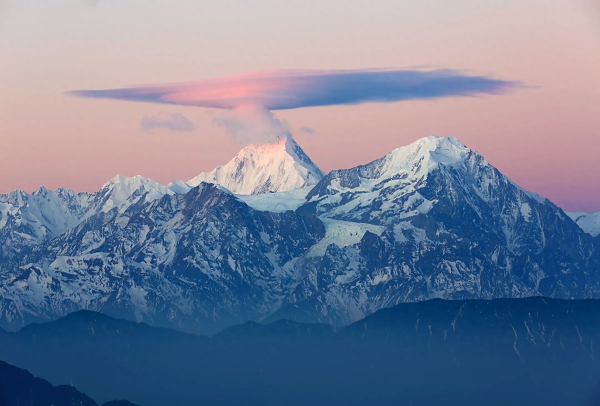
{"points": [[526, 211], [342, 234]]}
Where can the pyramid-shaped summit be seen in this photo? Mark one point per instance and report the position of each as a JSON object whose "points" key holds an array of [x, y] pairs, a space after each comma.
{"points": [[262, 168]]}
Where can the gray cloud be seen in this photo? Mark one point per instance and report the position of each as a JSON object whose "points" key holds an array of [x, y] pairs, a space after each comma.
{"points": [[306, 130], [173, 122]]}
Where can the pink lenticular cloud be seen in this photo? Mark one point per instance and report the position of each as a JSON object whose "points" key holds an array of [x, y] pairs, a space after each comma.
{"points": [[290, 89]]}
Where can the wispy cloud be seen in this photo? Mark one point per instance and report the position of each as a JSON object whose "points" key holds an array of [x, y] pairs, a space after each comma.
{"points": [[306, 130], [173, 122], [251, 123], [290, 89]]}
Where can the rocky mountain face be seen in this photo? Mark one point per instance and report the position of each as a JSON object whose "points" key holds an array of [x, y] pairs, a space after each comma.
{"points": [[532, 351], [448, 225], [197, 261], [430, 220]]}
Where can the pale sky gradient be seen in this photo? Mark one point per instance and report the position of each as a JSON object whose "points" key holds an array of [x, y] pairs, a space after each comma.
{"points": [[545, 138]]}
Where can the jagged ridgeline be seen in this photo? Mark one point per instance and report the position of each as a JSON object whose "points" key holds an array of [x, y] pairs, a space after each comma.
{"points": [[269, 236]]}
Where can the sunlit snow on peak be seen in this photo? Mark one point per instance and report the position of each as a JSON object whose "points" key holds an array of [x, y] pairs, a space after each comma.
{"points": [[262, 168]]}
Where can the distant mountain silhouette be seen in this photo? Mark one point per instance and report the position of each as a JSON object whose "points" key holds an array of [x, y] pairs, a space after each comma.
{"points": [[19, 388], [533, 351]]}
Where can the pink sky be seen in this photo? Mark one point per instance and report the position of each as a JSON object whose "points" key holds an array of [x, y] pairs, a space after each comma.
{"points": [[546, 138]]}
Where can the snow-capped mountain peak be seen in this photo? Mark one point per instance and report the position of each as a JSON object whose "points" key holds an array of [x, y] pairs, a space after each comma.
{"points": [[120, 188], [126, 183], [261, 168], [409, 164], [410, 181], [423, 155]]}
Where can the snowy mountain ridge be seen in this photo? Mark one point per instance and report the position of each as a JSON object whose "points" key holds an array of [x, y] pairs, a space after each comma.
{"points": [[29, 219], [430, 220], [44, 214], [116, 191], [391, 185]]}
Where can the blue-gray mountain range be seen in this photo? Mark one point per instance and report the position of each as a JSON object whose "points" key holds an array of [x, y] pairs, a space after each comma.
{"points": [[429, 220]]}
